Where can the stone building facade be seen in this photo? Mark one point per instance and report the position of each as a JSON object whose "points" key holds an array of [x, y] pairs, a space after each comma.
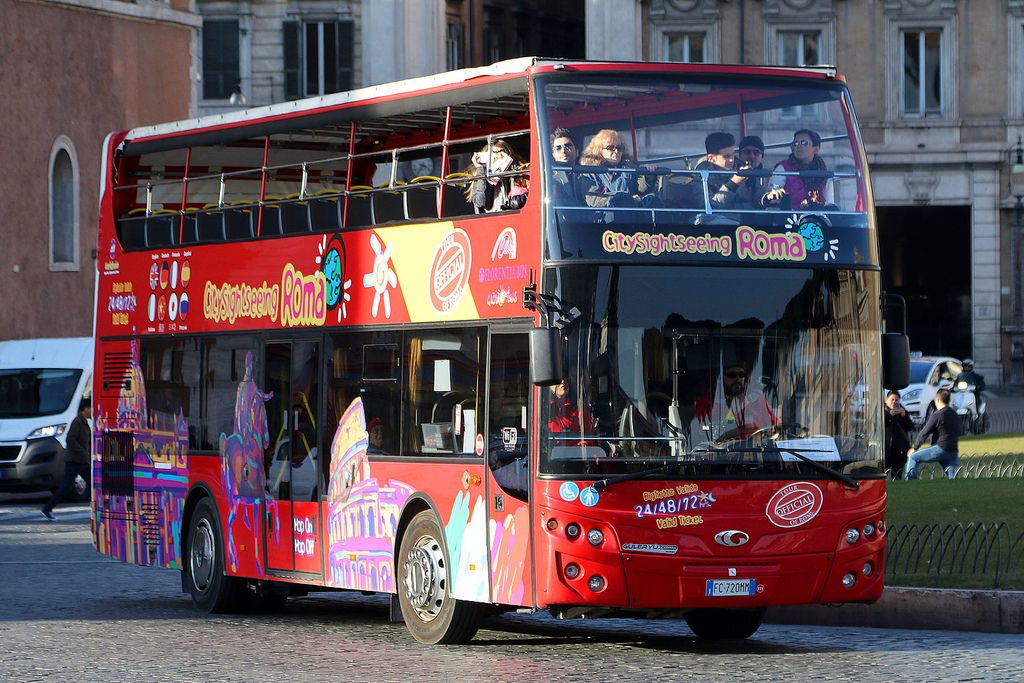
{"points": [[74, 70]]}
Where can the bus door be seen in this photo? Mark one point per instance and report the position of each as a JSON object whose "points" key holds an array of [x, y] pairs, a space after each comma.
{"points": [[508, 471], [293, 477]]}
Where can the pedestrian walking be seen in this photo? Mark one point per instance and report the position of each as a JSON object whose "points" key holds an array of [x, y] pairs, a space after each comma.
{"points": [[78, 455], [944, 428]]}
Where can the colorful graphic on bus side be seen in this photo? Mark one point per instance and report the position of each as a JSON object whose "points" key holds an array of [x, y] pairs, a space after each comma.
{"points": [[140, 520], [421, 273], [241, 455]]}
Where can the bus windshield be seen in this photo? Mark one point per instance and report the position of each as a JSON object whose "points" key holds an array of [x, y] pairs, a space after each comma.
{"points": [[725, 370], [682, 148]]}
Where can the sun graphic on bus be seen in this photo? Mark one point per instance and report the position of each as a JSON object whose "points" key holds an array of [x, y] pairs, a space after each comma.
{"points": [[381, 276], [332, 264]]}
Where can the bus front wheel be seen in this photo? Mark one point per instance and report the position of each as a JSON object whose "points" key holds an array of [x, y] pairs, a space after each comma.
{"points": [[724, 624], [430, 613], [212, 591]]}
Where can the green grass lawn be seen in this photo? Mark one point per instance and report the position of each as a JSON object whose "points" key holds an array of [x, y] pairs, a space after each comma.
{"points": [[960, 501], [963, 501], [971, 446]]}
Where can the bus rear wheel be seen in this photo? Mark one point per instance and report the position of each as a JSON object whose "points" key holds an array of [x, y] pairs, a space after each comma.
{"points": [[212, 591], [724, 624], [430, 613]]}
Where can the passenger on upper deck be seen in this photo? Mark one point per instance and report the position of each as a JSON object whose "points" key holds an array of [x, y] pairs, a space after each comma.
{"points": [[565, 152], [495, 194], [723, 188], [614, 188], [798, 192], [751, 155]]}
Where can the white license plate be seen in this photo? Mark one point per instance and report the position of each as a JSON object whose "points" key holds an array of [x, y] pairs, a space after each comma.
{"points": [[727, 587]]}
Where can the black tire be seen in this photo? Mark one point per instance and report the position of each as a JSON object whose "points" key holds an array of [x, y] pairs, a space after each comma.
{"points": [[212, 591], [430, 613], [724, 624]]}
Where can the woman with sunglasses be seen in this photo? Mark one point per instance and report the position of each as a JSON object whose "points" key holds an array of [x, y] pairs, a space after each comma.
{"points": [[798, 191], [618, 188]]}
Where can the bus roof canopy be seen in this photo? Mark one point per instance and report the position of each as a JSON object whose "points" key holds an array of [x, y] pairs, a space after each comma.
{"points": [[497, 83]]}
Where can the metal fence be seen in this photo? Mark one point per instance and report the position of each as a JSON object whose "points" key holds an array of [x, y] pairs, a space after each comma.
{"points": [[988, 551], [1004, 422], [986, 466]]}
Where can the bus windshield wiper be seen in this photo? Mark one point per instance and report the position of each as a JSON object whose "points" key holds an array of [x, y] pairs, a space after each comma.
{"points": [[835, 474], [631, 476], [608, 481]]}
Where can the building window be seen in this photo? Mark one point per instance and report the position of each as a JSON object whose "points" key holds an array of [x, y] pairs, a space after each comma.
{"points": [[63, 206], [318, 57], [454, 45], [799, 48], [685, 47], [220, 58], [1015, 72], [922, 72]]}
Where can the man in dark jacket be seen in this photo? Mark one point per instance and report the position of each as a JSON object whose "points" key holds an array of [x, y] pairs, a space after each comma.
{"points": [[897, 426], [723, 182], [78, 456], [944, 428]]}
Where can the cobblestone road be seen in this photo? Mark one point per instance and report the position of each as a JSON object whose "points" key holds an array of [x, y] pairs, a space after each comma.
{"points": [[66, 614]]}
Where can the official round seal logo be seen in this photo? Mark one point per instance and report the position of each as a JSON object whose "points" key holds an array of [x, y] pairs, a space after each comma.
{"points": [[794, 505]]}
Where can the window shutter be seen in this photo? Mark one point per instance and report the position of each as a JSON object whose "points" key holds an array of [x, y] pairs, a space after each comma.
{"points": [[345, 51], [292, 60]]}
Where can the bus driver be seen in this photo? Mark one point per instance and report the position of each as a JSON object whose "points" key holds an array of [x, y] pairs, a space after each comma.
{"points": [[739, 411]]}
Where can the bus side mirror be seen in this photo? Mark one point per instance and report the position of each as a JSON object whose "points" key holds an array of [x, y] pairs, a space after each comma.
{"points": [[546, 356], [895, 360]]}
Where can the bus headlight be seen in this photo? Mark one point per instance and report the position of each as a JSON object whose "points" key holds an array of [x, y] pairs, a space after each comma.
{"points": [[849, 580], [572, 570], [572, 531], [595, 537], [868, 569], [869, 529], [852, 536], [596, 583]]}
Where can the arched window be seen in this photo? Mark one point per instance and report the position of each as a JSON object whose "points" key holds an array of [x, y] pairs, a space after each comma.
{"points": [[63, 206]]}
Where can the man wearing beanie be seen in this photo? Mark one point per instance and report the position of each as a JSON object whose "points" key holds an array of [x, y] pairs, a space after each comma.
{"points": [[748, 195]]}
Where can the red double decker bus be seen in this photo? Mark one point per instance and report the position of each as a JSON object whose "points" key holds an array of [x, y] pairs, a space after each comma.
{"points": [[386, 340]]}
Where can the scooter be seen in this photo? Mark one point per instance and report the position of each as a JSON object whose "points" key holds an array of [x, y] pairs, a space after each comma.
{"points": [[963, 400]]}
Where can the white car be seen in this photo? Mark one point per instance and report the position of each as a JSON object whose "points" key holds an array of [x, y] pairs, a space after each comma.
{"points": [[928, 374]]}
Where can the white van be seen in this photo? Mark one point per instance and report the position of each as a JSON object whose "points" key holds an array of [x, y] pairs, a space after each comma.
{"points": [[42, 381]]}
